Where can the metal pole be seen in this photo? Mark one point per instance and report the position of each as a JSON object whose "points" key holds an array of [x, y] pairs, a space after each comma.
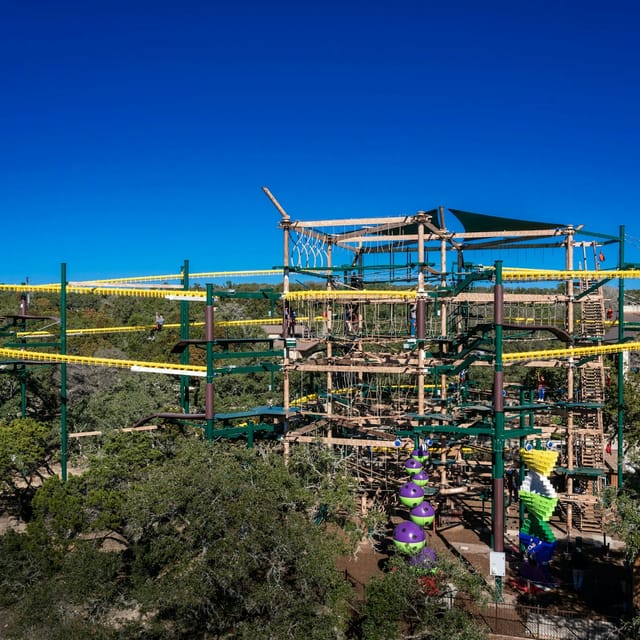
{"points": [[184, 335], [571, 420], [250, 432], [209, 391], [420, 313], [23, 391], [24, 304], [498, 435], [526, 421], [63, 372], [23, 379], [444, 307], [329, 330], [620, 362], [286, 225]]}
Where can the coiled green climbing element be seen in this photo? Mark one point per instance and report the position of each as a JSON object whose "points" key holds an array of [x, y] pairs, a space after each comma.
{"points": [[540, 500]]}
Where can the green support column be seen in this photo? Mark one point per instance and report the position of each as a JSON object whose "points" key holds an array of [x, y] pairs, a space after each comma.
{"points": [[23, 368], [63, 372], [526, 421], [620, 361], [23, 391], [250, 435], [184, 335], [497, 530], [209, 393]]}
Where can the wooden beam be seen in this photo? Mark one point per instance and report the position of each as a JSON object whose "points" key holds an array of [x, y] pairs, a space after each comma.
{"points": [[351, 442], [355, 368], [351, 222], [86, 434]]}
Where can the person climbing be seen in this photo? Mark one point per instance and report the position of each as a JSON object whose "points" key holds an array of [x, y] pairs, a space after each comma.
{"points": [[355, 319], [158, 326], [609, 313], [348, 318]]}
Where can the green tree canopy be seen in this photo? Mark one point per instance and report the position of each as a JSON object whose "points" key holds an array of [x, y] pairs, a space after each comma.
{"points": [[214, 539]]}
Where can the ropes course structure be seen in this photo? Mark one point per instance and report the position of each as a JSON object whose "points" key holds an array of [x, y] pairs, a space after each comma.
{"points": [[427, 342], [395, 338]]}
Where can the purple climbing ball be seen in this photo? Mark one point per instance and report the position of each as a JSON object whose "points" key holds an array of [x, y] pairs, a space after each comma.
{"points": [[425, 559], [412, 466], [421, 478], [421, 454], [409, 538], [411, 494], [423, 514], [408, 532]]}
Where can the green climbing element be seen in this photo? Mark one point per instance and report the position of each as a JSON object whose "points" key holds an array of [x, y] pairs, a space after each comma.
{"points": [[540, 507], [539, 529]]}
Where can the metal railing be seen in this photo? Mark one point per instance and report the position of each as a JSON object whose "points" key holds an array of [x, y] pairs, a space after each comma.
{"points": [[541, 623]]}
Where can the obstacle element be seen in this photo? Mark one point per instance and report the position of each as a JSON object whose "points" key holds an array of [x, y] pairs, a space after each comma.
{"points": [[421, 454], [409, 537], [423, 514], [411, 494], [421, 478], [412, 466], [540, 500], [425, 559], [541, 461]]}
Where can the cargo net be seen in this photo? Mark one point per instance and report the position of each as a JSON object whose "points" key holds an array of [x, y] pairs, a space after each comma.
{"points": [[307, 252]]}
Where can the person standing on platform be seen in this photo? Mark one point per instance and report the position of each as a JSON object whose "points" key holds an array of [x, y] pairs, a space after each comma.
{"points": [[541, 389], [578, 565], [512, 485], [412, 320]]}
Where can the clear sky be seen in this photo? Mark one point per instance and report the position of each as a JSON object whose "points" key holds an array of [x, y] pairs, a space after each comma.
{"points": [[136, 134]]}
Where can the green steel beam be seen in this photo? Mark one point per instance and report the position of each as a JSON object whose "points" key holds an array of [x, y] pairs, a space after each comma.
{"points": [[621, 327], [20, 345], [63, 372], [184, 335], [260, 368], [209, 388], [235, 355], [592, 288]]}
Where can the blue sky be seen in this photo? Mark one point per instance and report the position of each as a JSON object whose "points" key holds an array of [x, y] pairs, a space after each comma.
{"points": [[134, 135]]}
